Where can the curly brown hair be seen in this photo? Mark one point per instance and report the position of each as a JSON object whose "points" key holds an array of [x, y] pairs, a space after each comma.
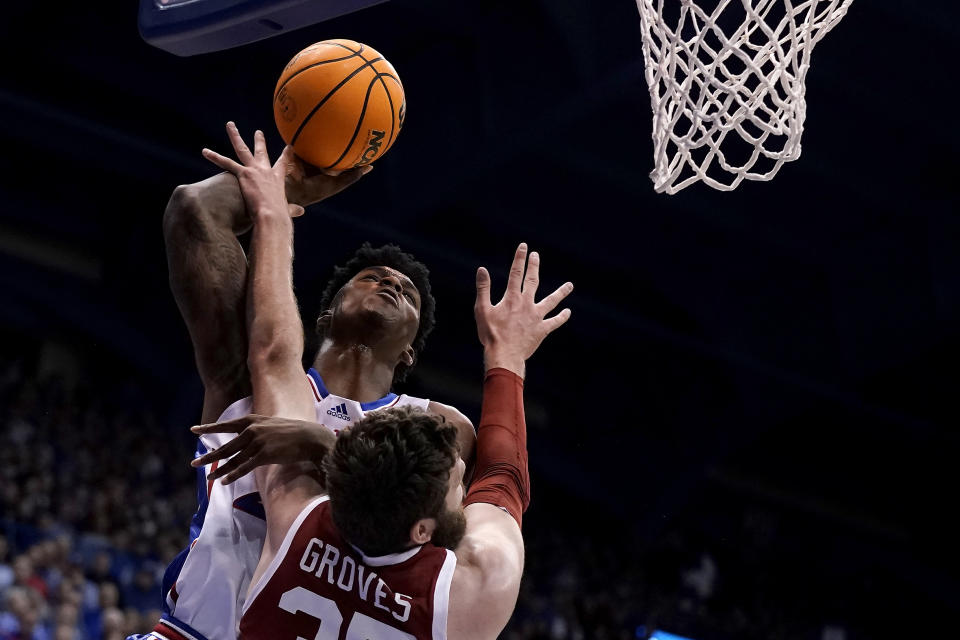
{"points": [[386, 472]]}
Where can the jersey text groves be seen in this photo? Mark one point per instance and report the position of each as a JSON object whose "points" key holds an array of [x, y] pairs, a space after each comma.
{"points": [[342, 570]]}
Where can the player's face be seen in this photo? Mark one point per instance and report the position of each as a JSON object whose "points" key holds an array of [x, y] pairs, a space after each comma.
{"points": [[452, 523], [387, 293]]}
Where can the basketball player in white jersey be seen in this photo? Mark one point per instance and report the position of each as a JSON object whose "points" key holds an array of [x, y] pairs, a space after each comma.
{"points": [[331, 571], [363, 351]]}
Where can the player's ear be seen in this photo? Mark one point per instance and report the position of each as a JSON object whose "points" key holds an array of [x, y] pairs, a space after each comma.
{"points": [[409, 356], [422, 530], [323, 322]]}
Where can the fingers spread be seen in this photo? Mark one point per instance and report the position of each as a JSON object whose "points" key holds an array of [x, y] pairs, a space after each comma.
{"points": [[243, 152], [221, 161], [259, 145], [550, 303], [556, 321], [532, 281], [230, 465], [516, 269], [483, 288], [228, 426], [223, 452], [240, 471]]}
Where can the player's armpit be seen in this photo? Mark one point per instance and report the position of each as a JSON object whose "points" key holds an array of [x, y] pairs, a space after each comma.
{"points": [[466, 434], [486, 582], [208, 271]]}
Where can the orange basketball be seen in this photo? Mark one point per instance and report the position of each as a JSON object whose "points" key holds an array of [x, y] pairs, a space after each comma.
{"points": [[340, 104]]}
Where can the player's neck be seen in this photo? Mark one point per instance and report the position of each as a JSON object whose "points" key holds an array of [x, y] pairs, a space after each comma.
{"points": [[354, 371]]}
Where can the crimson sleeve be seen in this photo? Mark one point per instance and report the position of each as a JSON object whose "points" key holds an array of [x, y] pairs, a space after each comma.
{"points": [[501, 477]]}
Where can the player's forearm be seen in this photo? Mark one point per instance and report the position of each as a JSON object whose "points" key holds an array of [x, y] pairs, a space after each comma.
{"points": [[208, 272], [276, 347], [220, 200], [276, 332], [501, 476]]}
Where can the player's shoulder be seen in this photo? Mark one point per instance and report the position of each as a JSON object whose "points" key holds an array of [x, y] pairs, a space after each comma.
{"points": [[450, 413], [466, 432]]}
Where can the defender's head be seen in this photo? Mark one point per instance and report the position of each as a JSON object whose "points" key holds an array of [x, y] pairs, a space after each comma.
{"points": [[395, 480], [361, 290]]}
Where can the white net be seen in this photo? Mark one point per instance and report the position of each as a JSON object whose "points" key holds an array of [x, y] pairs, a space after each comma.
{"points": [[727, 81]]}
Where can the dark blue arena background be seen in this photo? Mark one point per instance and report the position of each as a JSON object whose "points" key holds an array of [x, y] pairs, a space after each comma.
{"points": [[746, 431]]}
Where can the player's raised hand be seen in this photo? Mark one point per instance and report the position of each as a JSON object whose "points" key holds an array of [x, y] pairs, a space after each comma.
{"points": [[512, 330], [263, 440], [307, 184], [263, 185]]}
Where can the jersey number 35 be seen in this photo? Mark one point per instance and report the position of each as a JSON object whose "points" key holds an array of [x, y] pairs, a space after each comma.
{"points": [[328, 613]]}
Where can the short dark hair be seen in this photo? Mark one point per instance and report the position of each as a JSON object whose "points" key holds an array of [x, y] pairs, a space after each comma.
{"points": [[389, 255], [387, 471]]}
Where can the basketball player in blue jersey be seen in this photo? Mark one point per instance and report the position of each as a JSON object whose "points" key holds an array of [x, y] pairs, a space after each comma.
{"points": [[366, 346], [360, 564]]}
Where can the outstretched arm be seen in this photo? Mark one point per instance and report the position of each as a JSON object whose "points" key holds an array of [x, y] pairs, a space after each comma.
{"points": [[490, 557], [208, 271], [280, 387], [208, 277]]}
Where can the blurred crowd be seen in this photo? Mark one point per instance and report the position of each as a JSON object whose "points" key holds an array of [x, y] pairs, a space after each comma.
{"points": [[96, 496], [723, 575]]}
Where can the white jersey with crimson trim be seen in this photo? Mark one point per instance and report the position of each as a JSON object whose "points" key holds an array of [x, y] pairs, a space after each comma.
{"points": [[318, 585], [207, 597]]}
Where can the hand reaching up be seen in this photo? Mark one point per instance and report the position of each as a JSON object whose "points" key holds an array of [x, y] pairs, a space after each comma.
{"points": [[512, 330], [263, 185]]}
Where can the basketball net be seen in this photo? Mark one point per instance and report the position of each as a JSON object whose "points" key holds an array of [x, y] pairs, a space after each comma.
{"points": [[727, 85]]}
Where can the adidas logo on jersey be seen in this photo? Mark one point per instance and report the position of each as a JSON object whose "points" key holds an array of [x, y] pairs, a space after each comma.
{"points": [[339, 411]]}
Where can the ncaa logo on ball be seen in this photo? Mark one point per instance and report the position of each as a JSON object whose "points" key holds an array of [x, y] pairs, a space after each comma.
{"points": [[374, 142], [288, 106]]}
